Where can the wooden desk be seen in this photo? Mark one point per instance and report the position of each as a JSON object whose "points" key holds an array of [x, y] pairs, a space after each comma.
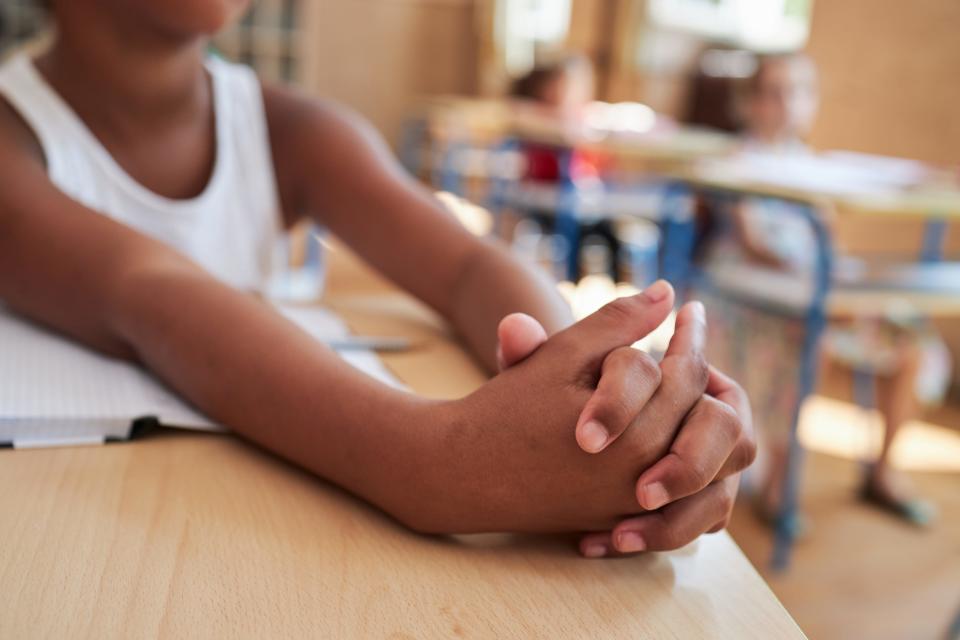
{"points": [[924, 201], [485, 122], [197, 535]]}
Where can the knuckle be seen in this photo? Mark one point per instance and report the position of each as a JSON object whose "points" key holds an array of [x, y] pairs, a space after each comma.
{"points": [[620, 358], [697, 477], [694, 369], [636, 363], [615, 410], [689, 475], [700, 369], [726, 500], [748, 449], [646, 367], [727, 420]]}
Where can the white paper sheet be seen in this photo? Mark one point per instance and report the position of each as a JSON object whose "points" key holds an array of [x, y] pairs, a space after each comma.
{"points": [[55, 392]]}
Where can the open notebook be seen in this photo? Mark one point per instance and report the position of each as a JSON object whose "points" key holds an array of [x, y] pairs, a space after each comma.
{"points": [[54, 392]]}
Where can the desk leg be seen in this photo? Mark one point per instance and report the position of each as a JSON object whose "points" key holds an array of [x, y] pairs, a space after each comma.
{"points": [[815, 322], [502, 178], [679, 235], [447, 175], [934, 239], [568, 220], [413, 136]]}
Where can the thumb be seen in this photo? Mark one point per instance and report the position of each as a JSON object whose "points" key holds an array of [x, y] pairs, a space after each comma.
{"points": [[519, 335], [620, 323]]}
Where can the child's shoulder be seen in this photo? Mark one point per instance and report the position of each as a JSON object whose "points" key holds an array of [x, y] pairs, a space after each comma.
{"points": [[312, 138], [292, 112]]}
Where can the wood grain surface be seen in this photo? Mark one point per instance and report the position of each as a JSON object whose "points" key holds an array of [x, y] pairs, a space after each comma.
{"points": [[197, 535]]}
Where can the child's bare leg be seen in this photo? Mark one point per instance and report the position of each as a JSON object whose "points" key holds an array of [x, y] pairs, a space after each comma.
{"points": [[896, 401]]}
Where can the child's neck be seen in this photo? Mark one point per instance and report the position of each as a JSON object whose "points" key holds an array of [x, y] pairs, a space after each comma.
{"points": [[131, 78]]}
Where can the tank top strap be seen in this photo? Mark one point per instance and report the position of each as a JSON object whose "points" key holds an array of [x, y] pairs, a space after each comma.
{"points": [[230, 228], [54, 124]]}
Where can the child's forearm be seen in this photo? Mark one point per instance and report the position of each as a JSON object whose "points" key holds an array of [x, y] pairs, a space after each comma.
{"points": [[495, 284], [253, 371]]}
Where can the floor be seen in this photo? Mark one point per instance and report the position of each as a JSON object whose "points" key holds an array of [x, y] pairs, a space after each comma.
{"points": [[860, 573]]}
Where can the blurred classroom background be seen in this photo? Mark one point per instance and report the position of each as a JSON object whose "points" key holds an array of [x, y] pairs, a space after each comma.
{"points": [[631, 182]]}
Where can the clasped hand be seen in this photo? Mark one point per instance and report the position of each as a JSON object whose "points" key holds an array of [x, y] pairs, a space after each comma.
{"points": [[688, 425]]}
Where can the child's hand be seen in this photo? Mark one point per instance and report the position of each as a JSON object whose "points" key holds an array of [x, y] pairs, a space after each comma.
{"points": [[628, 376], [683, 489], [686, 470], [507, 462]]}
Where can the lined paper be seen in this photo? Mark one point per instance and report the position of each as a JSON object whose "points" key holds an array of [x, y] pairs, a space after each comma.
{"points": [[55, 392]]}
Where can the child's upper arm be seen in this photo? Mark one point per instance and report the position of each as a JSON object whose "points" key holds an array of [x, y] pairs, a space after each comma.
{"points": [[334, 166], [60, 262]]}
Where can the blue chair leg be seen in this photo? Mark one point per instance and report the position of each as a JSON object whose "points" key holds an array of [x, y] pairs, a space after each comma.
{"points": [[679, 235], [568, 221], [500, 185], [448, 176], [815, 323], [411, 146], [934, 239]]}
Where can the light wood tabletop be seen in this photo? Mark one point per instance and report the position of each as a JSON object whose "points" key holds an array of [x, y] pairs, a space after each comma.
{"points": [[202, 535], [926, 201]]}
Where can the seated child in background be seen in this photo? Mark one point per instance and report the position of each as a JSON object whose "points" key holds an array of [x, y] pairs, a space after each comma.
{"points": [[769, 249], [142, 190], [558, 92]]}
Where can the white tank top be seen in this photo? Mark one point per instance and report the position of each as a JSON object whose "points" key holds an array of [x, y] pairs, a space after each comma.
{"points": [[231, 228]]}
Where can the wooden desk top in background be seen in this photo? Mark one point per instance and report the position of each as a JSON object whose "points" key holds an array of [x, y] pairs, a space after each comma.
{"points": [[200, 535]]}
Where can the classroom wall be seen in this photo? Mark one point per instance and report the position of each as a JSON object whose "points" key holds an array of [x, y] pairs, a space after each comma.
{"points": [[890, 79], [890, 73], [379, 55]]}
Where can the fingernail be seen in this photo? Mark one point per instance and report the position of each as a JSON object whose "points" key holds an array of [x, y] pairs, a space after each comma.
{"points": [[658, 291], [595, 550], [593, 436], [654, 496], [630, 542]]}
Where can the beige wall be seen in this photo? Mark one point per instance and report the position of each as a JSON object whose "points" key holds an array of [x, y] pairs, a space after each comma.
{"points": [[379, 55], [890, 76], [891, 69]]}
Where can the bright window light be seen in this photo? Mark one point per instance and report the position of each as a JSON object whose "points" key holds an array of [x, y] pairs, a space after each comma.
{"points": [[526, 25], [760, 25]]}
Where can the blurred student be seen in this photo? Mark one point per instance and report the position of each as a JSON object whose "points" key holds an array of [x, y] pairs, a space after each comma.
{"points": [[143, 186], [766, 247], [557, 93], [560, 88]]}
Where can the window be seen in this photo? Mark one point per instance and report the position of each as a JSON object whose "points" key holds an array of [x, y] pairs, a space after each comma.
{"points": [[759, 25], [526, 26]]}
